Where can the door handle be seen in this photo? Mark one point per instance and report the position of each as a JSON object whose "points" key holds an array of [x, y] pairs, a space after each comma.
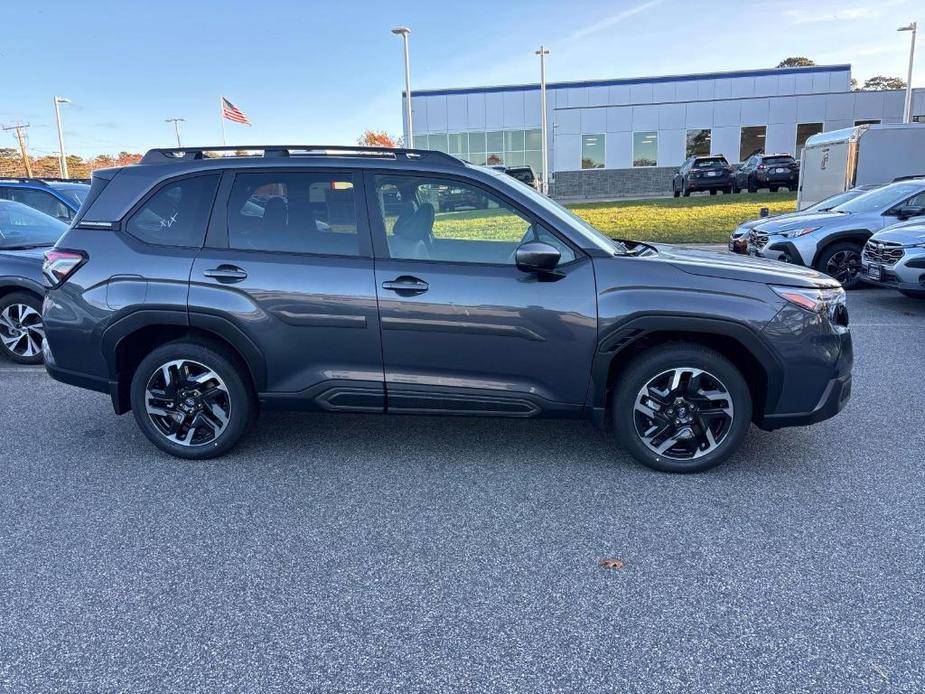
{"points": [[226, 274], [406, 285]]}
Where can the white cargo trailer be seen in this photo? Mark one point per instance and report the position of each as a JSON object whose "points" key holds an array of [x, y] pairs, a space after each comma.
{"points": [[835, 161]]}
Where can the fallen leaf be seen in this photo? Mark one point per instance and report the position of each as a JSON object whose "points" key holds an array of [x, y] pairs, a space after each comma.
{"points": [[612, 563]]}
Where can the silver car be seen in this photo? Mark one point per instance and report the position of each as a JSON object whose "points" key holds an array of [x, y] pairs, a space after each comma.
{"points": [[738, 242], [831, 242], [895, 257]]}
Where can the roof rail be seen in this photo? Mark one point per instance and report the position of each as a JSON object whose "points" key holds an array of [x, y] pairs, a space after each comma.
{"points": [[43, 179], [167, 155]]}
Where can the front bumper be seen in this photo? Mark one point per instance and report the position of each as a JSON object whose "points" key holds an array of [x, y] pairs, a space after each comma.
{"points": [[798, 251], [833, 400], [899, 276]]}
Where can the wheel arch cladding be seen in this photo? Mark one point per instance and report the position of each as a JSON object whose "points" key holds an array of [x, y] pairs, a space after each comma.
{"points": [[760, 368], [854, 235]]}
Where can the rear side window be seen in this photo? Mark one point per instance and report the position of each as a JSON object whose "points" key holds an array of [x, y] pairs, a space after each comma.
{"points": [[294, 212], [41, 201], [177, 214]]}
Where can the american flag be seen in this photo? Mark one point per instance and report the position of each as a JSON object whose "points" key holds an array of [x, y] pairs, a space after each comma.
{"points": [[231, 112]]}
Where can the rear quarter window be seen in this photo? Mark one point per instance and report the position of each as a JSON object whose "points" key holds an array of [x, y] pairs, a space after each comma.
{"points": [[177, 214]]}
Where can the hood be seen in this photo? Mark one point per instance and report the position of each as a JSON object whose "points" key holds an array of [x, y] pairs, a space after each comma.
{"points": [[779, 224], [27, 253], [736, 267], [906, 234]]}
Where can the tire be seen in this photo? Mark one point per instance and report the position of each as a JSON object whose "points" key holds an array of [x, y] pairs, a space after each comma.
{"points": [[845, 253], [674, 191], [21, 332], [735, 188], [684, 191], [231, 394], [913, 293], [656, 368], [752, 186], [713, 191], [773, 189], [728, 190]]}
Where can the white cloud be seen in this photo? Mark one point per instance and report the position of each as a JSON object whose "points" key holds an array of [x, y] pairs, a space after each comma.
{"points": [[611, 21], [848, 14]]}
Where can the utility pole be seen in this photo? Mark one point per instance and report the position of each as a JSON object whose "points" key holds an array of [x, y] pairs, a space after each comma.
{"points": [[542, 53], [907, 110], [62, 157], [23, 150], [176, 126]]}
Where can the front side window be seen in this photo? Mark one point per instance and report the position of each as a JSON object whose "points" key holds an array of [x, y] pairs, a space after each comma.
{"points": [[698, 142], [645, 148], [751, 141], [592, 152], [804, 132], [177, 214], [453, 221], [288, 212]]}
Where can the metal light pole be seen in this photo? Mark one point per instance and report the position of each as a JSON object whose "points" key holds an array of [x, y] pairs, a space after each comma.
{"points": [[409, 134], [176, 126], [62, 157], [907, 112], [542, 53]]}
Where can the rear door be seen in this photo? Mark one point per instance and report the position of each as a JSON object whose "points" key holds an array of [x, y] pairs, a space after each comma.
{"points": [[463, 330], [288, 261]]}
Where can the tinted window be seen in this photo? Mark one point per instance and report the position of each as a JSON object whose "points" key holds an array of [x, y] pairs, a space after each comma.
{"points": [[713, 163], [698, 141], [310, 212], [177, 214], [41, 201], [453, 221], [751, 140], [592, 152], [778, 161], [645, 148], [24, 226]]}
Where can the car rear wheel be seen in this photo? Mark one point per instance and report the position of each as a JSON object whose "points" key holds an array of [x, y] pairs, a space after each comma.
{"points": [[842, 261], [684, 190], [674, 190], [773, 189], [681, 408], [752, 186], [190, 399], [21, 331]]}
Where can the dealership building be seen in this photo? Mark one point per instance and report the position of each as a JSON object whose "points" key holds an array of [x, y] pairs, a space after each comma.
{"points": [[628, 136]]}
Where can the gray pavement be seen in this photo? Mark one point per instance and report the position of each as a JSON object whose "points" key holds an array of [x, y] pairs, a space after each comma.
{"points": [[362, 553]]}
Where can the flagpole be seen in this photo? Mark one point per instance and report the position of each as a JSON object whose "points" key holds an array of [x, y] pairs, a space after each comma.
{"points": [[221, 115]]}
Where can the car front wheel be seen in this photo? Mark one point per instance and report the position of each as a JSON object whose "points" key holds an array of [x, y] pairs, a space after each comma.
{"points": [[681, 408], [21, 332], [842, 261], [191, 400]]}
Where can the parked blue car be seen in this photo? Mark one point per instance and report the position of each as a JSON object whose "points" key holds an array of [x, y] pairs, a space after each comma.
{"points": [[58, 198]]}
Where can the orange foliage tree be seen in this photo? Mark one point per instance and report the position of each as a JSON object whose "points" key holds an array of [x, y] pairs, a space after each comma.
{"points": [[378, 138]]}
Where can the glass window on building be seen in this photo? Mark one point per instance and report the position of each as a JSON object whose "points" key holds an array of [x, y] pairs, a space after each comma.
{"points": [[645, 148], [698, 142], [533, 140], [437, 141], [804, 132], [592, 151], [477, 148], [751, 141], [458, 144], [420, 141]]}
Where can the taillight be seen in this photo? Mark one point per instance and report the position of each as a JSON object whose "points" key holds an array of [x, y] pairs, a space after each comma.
{"points": [[59, 265], [761, 167]]}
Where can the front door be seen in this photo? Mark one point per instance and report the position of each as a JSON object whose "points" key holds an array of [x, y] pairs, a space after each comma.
{"points": [[289, 261], [463, 330]]}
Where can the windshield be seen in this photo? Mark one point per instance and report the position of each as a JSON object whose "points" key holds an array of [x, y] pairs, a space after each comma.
{"points": [[76, 193], [560, 211], [834, 201], [880, 199], [24, 227], [715, 163]]}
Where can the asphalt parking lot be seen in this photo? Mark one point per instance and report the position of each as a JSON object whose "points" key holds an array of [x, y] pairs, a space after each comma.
{"points": [[363, 553]]}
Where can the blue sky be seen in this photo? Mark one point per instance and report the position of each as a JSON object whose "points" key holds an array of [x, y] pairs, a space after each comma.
{"points": [[310, 71]]}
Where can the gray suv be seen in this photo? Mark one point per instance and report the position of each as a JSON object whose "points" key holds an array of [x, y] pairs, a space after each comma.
{"points": [[832, 241], [895, 257], [197, 289]]}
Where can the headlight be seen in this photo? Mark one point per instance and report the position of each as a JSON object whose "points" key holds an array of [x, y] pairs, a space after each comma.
{"points": [[799, 232], [815, 300]]}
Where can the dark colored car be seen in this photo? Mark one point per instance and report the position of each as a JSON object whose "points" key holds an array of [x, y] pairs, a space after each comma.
{"points": [[524, 174], [25, 233], [58, 198], [702, 173], [771, 171], [738, 241], [170, 295]]}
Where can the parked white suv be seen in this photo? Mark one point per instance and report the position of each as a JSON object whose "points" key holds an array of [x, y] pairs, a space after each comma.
{"points": [[832, 241]]}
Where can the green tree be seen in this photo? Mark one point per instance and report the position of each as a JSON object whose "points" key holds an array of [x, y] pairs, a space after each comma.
{"points": [[797, 61], [881, 83]]}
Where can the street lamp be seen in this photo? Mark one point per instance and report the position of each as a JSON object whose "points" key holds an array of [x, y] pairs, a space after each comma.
{"points": [[409, 135], [907, 112], [176, 126], [62, 157], [542, 53]]}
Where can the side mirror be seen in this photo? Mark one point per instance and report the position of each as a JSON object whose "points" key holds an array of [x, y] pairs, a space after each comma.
{"points": [[536, 256], [907, 211]]}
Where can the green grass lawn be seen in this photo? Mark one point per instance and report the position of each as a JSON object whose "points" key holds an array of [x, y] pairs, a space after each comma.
{"points": [[703, 219]]}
